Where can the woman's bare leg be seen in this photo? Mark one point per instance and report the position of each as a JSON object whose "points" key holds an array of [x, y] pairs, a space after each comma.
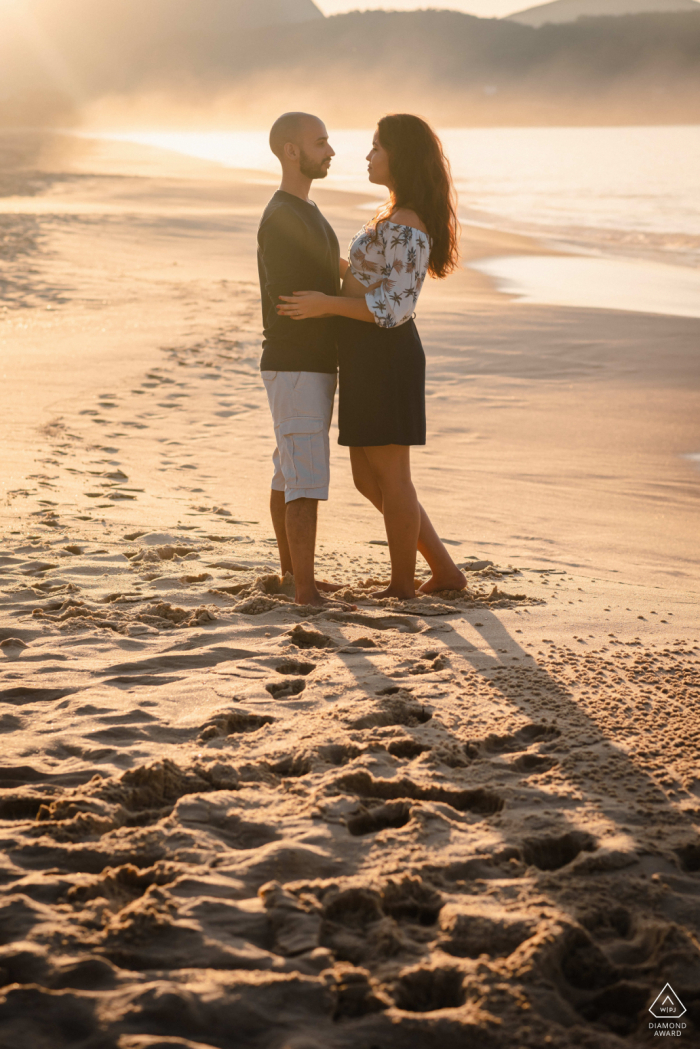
{"points": [[445, 574], [365, 479], [391, 466]]}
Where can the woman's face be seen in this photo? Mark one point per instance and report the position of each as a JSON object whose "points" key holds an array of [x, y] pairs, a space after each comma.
{"points": [[378, 163]]}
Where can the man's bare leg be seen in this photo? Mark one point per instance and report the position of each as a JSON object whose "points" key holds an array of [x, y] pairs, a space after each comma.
{"points": [[301, 536], [278, 512]]}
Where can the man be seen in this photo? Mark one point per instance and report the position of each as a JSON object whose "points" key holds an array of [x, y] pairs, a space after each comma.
{"points": [[298, 251]]}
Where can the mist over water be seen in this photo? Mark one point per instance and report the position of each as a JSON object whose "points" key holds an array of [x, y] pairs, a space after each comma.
{"points": [[628, 189]]}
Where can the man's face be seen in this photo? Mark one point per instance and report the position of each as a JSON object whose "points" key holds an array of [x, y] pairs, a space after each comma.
{"points": [[315, 151]]}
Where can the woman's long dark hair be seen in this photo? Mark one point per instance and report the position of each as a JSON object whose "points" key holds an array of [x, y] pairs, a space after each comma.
{"points": [[422, 181]]}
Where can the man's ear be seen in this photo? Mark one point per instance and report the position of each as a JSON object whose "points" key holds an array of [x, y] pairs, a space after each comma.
{"points": [[291, 151]]}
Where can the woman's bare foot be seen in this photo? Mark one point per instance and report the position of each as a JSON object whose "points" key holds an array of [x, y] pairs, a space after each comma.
{"points": [[402, 595], [455, 580]]}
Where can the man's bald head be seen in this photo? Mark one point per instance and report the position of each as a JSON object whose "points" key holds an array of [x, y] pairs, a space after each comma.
{"points": [[290, 127], [301, 140]]}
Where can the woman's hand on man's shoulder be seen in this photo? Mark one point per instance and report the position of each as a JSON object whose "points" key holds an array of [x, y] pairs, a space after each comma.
{"points": [[407, 217]]}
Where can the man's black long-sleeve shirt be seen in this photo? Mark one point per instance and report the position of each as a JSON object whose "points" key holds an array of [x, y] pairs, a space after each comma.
{"points": [[297, 251]]}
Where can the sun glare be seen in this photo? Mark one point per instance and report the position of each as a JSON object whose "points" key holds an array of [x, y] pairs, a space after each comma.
{"points": [[43, 47]]}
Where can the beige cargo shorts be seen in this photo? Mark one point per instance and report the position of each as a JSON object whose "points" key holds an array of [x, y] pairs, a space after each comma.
{"points": [[302, 407]]}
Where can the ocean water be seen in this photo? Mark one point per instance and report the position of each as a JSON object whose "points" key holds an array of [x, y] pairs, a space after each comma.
{"points": [[630, 194], [629, 189]]}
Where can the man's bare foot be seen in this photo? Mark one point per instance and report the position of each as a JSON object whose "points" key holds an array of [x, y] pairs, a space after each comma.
{"points": [[329, 588], [402, 595], [321, 584], [453, 581], [317, 600]]}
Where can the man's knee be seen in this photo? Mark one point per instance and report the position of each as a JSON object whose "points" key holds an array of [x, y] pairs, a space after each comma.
{"points": [[302, 507]]}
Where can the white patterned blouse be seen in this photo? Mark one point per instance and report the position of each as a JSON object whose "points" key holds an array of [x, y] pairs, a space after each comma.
{"points": [[393, 263]]}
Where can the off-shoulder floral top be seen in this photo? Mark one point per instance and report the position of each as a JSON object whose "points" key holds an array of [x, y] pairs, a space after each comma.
{"points": [[395, 259]]}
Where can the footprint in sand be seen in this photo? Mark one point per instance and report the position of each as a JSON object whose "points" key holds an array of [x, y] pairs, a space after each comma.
{"points": [[302, 636], [294, 666], [24, 694], [230, 722], [282, 689], [12, 647], [393, 710]]}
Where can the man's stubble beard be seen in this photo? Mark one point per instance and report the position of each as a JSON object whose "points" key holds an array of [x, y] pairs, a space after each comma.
{"points": [[311, 170]]}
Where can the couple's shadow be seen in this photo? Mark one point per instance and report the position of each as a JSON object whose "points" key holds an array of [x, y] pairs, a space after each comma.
{"points": [[580, 829], [559, 740]]}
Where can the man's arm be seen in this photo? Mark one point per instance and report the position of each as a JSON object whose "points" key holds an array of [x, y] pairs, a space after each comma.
{"points": [[303, 305], [281, 239]]}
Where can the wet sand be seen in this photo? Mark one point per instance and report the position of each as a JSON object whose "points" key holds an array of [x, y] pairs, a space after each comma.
{"points": [[228, 821], [636, 286]]}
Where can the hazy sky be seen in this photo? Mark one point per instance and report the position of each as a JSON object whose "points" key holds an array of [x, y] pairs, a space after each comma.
{"points": [[485, 8]]}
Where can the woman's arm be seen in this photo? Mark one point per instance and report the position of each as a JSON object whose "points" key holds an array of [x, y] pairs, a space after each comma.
{"points": [[343, 267], [305, 304]]}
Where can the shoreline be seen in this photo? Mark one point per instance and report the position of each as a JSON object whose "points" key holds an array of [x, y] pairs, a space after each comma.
{"points": [[484, 235], [579, 231], [597, 282], [419, 823]]}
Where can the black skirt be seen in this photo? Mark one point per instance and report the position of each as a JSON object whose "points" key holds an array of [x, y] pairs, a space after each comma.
{"points": [[381, 384]]}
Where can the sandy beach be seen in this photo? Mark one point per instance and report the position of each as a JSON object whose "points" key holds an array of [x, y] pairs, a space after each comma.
{"points": [[228, 821]]}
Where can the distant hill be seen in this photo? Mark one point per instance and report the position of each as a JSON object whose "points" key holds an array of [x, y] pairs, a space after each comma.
{"points": [[94, 44], [461, 70], [205, 68], [570, 10]]}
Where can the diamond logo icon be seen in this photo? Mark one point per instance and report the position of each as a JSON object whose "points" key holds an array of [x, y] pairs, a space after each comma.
{"points": [[667, 1005]]}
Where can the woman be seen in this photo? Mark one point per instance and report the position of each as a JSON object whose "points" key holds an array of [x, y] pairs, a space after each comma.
{"points": [[381, 360]]}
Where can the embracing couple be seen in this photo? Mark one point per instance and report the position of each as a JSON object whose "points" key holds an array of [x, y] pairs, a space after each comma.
{"points": [[327, 319]]}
